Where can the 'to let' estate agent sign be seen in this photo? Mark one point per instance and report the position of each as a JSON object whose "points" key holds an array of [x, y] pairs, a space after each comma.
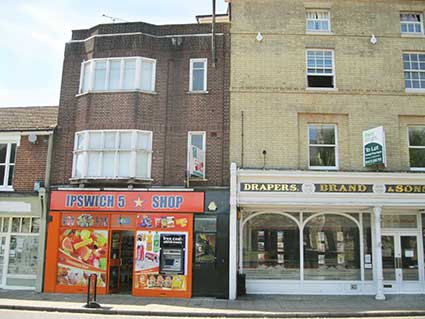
{"points": [[374, 150]]}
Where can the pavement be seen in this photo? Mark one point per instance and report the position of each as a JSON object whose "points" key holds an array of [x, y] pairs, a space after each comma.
{"points": [[251, 306]]}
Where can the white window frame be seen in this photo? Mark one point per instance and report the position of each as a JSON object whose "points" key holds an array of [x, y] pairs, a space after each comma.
{"points": [[333, 74], [205, 62], [137, 79], [420, 90], [7, 235], [9, 140], [189, 144], [418, 169], [421, 23], [336, 167], [318, 20], [133, 157]]}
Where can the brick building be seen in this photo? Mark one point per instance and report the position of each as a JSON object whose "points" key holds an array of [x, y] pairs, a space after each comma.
{"points": [[25, 139], [144, 114], [322, 210]]}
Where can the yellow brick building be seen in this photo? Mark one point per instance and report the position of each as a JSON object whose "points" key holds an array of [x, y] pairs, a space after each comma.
{"points": [[308, 78]]}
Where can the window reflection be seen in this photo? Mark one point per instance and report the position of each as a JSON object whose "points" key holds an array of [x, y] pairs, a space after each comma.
{"points": [[331, 249], [271, 248]]}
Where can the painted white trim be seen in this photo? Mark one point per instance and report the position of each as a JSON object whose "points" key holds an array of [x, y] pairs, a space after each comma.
{"points": [[137, 81], [335, 126], [318, 10], [406, 22], [333, 74], [133, 150], [233, 229], [145, 34], [205, 86]]}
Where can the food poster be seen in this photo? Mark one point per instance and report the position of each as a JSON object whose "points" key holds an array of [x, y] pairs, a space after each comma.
{"points": [[147, 252], [81, 253]]}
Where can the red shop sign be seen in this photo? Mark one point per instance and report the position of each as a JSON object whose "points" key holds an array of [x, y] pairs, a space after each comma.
{"points": [[162, 202]]}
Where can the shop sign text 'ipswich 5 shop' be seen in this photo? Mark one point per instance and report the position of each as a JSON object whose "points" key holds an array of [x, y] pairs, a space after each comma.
{"points": [[128, 201]]}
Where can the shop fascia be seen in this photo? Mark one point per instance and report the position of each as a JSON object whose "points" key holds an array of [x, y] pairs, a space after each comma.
{"points": [[256, 191], [86, 229]]}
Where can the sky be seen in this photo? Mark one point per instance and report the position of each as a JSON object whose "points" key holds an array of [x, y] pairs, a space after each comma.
{"points": [[34, 33]]}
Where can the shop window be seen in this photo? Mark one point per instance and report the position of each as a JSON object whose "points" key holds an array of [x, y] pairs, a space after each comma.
{"points": [[196, 154], [7, 164], [322, 146], [411, 23], [198, 75], [112, 154], [205, 240], [417, 147], [399, 221], [19, 243], [367, 243], [318, 21], [271, 248], [320, 69], [331, 248], [118, 74]]}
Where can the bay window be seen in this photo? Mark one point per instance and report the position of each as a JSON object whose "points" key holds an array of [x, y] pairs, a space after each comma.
{"points": [[112, 154], [118, 74]]}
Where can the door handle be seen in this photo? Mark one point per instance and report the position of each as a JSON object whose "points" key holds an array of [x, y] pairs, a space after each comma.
{"points": [[398, 262]]}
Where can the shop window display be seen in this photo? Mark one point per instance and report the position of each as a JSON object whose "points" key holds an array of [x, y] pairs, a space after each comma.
{"points": [[271, 248], [19, 242], [331, 248]]}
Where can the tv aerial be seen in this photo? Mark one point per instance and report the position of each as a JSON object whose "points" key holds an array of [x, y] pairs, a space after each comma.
{"points": [[114, 19]]}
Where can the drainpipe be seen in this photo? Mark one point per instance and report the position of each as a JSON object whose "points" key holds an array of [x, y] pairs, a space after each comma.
{"points": [[213, 53], [44, 195]]}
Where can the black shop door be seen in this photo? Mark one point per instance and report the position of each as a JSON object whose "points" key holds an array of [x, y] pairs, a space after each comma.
{"points": [[211, 256]]}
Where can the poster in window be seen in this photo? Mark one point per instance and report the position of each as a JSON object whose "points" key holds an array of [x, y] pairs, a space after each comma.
{"points": [[196, 162], [321, 259], [280, 258], [340, 236], [341, 259], [82, 252], [340, 247]]}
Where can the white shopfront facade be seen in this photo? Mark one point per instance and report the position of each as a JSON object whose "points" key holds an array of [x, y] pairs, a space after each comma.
{"points": [[330, 233]]}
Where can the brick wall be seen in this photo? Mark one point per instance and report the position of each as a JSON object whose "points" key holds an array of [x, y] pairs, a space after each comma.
{"points": [[169, 113], [268, 81], [30, 164]]}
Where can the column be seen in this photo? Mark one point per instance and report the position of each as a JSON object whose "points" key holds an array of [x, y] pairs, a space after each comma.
{"points": [[233, 233], [377, 210]]}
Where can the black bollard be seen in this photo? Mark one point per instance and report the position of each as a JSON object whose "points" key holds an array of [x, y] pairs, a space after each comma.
{"points": [[92, 292]]}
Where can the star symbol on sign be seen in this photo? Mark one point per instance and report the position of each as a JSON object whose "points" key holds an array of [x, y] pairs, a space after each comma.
{"points": [[139, 202]]}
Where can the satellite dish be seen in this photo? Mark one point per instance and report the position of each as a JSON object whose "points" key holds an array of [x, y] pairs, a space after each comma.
{"points": [[32, 138]]}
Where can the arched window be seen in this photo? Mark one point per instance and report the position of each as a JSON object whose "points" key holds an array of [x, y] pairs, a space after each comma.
{"points": [[331, 248], [271, 247]]}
